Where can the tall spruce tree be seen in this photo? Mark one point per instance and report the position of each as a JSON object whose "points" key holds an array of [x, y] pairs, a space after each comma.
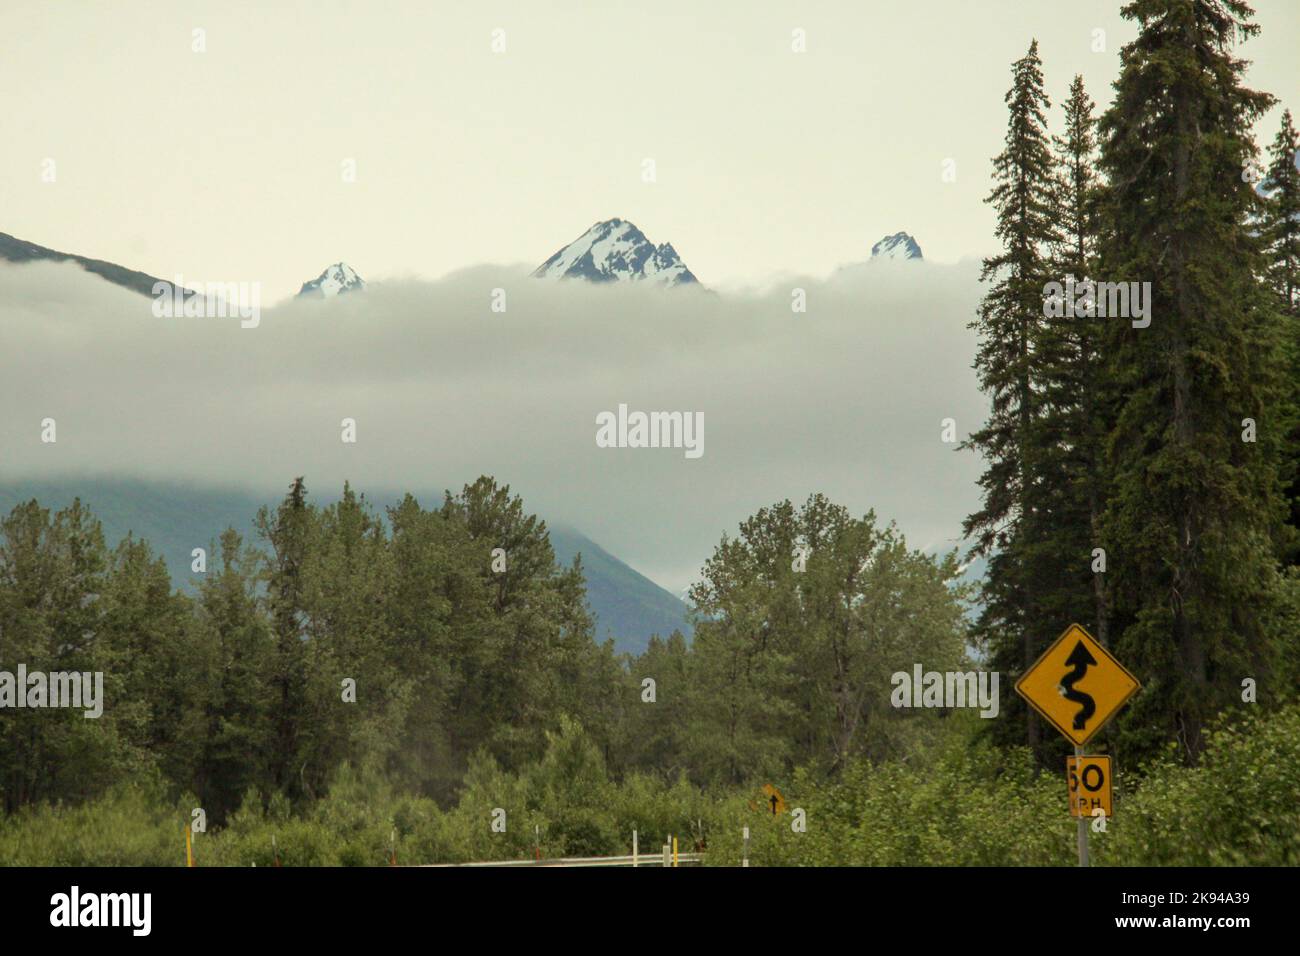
{"points": [[1010, 526], [287, 532], [1195, 506], [234, 753], [1282, 218], [1071, 428], [1280, 228]]}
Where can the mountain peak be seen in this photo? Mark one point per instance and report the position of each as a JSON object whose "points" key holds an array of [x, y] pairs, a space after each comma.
{"points": [[898, 246], [615, 250], [336, 279]]}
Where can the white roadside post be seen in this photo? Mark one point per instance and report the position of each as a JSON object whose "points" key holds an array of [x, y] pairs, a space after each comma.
{"points": [[634, 853], [744, 857]]}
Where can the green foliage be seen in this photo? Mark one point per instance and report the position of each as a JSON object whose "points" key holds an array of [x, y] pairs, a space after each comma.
{"points": [[1033, 523], [956, 802], [1281, 216], [392, 645], [1196, 518], [967, 804], [130, 825], [959, 804], [1240, 807], [804, 618], [1167, 443]]}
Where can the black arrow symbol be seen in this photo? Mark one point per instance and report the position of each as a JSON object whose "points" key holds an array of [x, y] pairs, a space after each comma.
{"points": [[774, 804], [1080, 660]]}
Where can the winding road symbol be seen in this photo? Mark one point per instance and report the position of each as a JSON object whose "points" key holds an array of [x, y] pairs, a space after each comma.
{"points": [[1077, 685], [1080, 660]]}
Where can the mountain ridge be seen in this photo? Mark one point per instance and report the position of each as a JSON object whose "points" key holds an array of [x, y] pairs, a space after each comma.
{"points": [[19, 251], [609, 251]]}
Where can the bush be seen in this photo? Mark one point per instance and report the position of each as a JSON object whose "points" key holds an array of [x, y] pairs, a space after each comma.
{"points": [[1240, 807], [958, 803], [128, 826]]}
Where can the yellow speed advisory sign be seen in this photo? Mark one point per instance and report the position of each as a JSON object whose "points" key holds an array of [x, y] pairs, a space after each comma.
{"points": [[1090, 786], [1077, 685]]}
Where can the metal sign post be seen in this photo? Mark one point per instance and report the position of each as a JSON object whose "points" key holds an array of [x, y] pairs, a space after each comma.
{"points": [[1077, 685], [1082, 823]]}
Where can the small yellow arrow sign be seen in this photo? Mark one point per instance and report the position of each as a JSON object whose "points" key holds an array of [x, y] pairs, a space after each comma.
{"points": [[774, 803], [1077, 685]]}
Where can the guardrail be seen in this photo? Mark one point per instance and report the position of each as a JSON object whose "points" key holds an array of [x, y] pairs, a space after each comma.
{"points": [[670, 857]]}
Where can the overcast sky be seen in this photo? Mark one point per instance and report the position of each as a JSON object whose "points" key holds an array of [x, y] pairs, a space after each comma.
{"points": [[226, 165], [773, 168]]}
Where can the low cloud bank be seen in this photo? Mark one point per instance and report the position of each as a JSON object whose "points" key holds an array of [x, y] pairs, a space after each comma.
{"points": [[847, 398]]}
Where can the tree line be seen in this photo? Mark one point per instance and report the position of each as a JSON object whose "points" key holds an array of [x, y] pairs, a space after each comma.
{"points": [[414, 642], [1141, 476]]}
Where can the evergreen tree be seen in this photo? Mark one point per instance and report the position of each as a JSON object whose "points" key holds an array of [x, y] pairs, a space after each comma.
{"points": [[1070, 432], [1012, 526], [1191, 524], [1279, 226], [236, 748], [155, 663], [287, 532], [354, 697], [535, 637], [1280, 223], [1282, 219], [431, 611], [52, 578]]}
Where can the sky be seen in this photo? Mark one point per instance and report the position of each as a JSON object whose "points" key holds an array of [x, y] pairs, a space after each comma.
{"points": [[227, 164], [772, 169]]}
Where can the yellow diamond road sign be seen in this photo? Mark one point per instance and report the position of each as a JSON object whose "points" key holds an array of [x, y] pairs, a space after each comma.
{"points": [[773, 800], [1077, 685]]}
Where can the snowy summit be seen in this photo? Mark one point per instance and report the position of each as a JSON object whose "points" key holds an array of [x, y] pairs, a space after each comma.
{"points": [[617, 251], [898, 246], [337, 278]]}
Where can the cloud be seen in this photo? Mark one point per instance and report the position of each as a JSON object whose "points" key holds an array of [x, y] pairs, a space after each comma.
{"points": [[846, 399]]}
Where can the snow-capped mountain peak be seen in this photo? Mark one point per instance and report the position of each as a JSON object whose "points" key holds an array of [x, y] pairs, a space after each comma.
{"points": [[616, 251], [338, 278], [898, 246]]}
